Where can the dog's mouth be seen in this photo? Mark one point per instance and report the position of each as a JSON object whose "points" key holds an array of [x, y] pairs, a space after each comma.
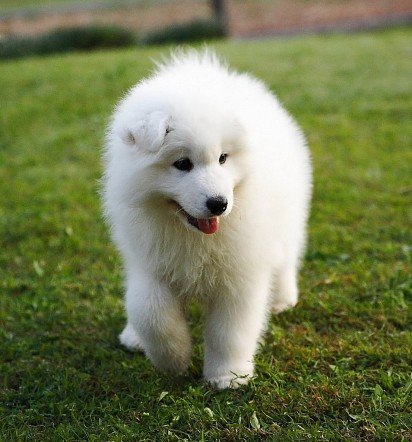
{"points": [[205, 225]]}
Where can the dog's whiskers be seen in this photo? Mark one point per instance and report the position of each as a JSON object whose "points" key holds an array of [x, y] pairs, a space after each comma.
{"points": [[180, 209]]}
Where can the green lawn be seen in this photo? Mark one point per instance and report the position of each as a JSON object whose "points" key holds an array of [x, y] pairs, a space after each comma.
{"points": [[337, 367]]}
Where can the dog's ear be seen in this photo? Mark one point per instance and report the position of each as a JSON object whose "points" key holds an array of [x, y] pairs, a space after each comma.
{"points": [[150, 132]]}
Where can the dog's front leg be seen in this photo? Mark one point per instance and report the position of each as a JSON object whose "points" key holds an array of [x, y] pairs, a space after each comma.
{"points": [[158, 320], [234, 324]]}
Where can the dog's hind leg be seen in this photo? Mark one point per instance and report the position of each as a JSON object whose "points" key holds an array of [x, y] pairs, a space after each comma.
{"points": [[285, 295]]}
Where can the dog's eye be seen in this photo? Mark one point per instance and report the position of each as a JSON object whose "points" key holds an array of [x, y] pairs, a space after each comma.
{"points": [[222, 158], [183, 164]]}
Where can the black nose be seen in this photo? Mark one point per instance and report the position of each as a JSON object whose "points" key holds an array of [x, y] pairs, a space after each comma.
{"points": [[217, 205]]}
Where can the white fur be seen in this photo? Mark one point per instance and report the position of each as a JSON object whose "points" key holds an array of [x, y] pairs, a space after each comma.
{"points": [[193, 106]]}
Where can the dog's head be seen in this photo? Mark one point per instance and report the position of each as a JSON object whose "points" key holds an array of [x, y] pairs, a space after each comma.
{"points": [[188, 165]]}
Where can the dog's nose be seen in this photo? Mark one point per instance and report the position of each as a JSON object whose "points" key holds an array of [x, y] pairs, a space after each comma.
{"points": [[217, 205]]}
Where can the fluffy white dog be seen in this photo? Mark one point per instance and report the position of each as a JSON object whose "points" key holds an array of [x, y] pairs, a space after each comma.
{"points": [[207, 190]]}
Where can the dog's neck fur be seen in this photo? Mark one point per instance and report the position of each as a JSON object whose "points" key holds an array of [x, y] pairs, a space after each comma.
{"points": [[190, 262]]}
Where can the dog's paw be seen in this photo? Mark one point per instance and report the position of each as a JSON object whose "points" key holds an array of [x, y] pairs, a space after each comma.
{"points": [[228, 381], [173, 359], [128, 338], [280, 305], [174, 366]]}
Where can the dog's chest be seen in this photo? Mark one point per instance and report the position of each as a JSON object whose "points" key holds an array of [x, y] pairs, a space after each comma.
{"points": [[194, 269]]}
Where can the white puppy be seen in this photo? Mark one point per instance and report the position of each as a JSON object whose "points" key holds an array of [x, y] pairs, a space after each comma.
{"points": [[207, 190]]}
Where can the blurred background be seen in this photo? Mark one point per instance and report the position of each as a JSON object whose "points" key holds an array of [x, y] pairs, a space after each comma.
{"points": [[45, 26]]}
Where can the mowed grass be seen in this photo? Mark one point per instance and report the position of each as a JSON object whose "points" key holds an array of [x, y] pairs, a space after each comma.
{"points": [[337, 367]]}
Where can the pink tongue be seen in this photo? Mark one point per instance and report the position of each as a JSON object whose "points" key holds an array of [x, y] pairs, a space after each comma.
{"points": [[208, 226]]}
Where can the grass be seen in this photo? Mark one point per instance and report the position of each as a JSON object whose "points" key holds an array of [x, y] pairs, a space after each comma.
{"points": [[337, 367]]}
